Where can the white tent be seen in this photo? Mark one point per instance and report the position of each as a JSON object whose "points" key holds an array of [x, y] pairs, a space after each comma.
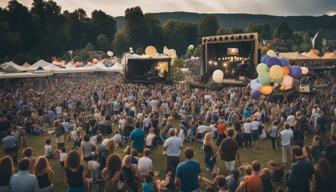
{"points": [[100, 67], [12, 67], [39, 64], [117, 67], [51, 67]]}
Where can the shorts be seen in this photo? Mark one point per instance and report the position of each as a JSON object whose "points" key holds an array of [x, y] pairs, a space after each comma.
{"points": [[255, 135]]}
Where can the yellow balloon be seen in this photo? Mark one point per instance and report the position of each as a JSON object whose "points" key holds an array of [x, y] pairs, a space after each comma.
{"points": [[266, 90], [276, 72], [150, 51], [271, 53]]}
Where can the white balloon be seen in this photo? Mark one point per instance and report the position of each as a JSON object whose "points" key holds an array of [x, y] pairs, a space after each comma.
{"points": [[191, 47], [304, 70], [218, 76], [110, 53]]}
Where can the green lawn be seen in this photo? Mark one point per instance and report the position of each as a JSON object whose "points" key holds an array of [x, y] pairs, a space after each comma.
{"points": [[263, 154]]}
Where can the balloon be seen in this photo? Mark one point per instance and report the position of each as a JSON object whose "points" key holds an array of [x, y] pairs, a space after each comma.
{"points": [[255, 94], [271, 53], [276, 72], [278, 81], [273, 61], [284, 62], [287, 82], [191, 47], [264, 58], [95, 61], [150, 51], [172, 53], [286, 70], [255, 85], [295, 72], [304, 70], [261, 67], [266, 90], [110, 53], [264, 78], [218, 76]]}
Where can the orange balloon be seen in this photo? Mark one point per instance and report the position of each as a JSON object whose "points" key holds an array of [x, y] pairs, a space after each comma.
{"points": [[286, 71], [266, 90]]}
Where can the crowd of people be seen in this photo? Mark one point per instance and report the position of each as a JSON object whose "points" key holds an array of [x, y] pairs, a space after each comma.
{"points": [[91, 115]]}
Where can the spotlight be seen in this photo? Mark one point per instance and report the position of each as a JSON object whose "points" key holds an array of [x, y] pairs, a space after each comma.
{"points": [[251, 36], [245, 36], [210, 62], [226, 38], [225, 64], [220, 38], [210, 39], [240, 37], [204, 40], [214, 39], [215, 63], [232, 37]]}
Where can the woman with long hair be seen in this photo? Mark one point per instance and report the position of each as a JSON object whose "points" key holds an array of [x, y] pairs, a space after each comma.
{"points": [[44, 174], [130, 173], [324, 176], [114, 181], [74, 173], [7, 170], [209, 152]]}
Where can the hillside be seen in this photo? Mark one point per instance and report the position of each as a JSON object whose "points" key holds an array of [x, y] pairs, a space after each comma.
{"points": [[298, 23]]}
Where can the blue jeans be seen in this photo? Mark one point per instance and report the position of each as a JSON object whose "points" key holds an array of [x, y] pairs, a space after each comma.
{"points": [[209, 161]]}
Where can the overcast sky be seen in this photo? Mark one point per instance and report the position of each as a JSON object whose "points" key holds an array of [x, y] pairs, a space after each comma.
{"points": [[271, 7]]}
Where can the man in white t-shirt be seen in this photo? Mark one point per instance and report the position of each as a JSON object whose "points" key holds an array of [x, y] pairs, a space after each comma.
{"points": [[172, 146], [145, 164], [286, 139]]}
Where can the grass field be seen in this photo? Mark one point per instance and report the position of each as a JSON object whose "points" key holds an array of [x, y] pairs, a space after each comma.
{"points": [[263, 154]]}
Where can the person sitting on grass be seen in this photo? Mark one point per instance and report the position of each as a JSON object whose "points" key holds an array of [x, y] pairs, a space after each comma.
{"points": [[48, 149]]}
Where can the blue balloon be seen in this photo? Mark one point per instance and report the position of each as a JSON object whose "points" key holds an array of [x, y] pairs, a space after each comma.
{"points": [[255, 94], [255, 85], [264, 58], [295, 72], [284, 62], [273, 61]]}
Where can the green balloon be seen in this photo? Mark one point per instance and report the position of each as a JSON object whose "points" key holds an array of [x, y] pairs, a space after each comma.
{"points": [[278, 81], [264, 78], [262, 67]]}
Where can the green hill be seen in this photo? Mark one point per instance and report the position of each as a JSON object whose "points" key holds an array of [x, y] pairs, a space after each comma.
{"points": [[298, 23]]}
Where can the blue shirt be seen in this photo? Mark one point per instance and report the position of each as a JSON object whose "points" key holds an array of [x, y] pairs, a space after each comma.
{"points": [[9, 142], [23, 181], [138, 137], [188, 172], [147, 187], [66, 126]]}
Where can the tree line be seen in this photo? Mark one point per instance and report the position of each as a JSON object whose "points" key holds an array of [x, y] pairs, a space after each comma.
{"points": [[44, 31]]}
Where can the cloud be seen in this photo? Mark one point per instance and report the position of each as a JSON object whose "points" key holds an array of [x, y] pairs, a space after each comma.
{"points": [[272, 7]]}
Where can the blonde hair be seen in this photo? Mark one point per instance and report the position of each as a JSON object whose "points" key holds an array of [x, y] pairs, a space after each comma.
{"points": [[207, 139]]}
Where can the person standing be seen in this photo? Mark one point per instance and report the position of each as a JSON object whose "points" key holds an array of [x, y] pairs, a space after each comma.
{"points": [[138, 138], [301, 172], [253, 182], [23, 181], [44, 174], [172, 147], [59, 131], [229, 151], [209, 152], [74, 173], [286, 139], [187, 173], [7, 170], [247, 133], [10, 146], [274, 134], [255, 132]]}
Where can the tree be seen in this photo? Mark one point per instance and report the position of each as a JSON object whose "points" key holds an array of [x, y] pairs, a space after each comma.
{"points": [[283, 31], [252, 27], [136, 27], [120, 43], [265, 33], [175, 73], [207, 26], [157, 37], [102, 42]]}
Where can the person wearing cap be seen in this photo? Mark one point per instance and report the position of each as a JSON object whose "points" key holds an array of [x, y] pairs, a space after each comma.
{"points": [[286, 140]]}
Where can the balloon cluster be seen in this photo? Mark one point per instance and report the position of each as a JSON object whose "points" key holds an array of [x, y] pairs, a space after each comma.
{"points": [[275, 72]]}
